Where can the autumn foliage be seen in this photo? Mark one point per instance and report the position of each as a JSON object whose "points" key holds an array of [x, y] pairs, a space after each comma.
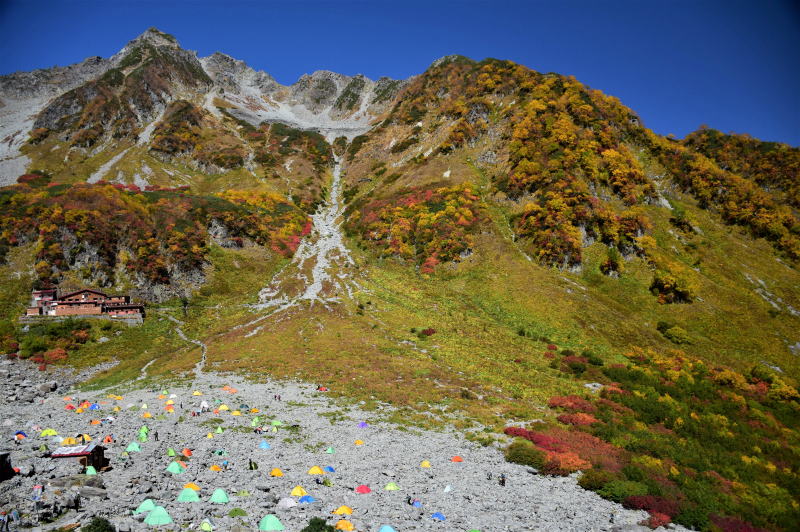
{"points": [[150, 234], [425, 226], [699, 445]]}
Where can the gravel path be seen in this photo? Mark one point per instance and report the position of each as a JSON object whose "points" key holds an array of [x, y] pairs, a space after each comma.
{"points": [[311, 423]]}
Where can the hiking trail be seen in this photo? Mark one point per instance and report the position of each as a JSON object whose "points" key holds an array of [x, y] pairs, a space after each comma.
{"points": [[198, 368]]}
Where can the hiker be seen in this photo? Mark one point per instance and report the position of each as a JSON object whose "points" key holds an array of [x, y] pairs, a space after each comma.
{"points": [[408, 500], [489, 475], [3, 521], [155, 435], [502, 479], [252, 466]]}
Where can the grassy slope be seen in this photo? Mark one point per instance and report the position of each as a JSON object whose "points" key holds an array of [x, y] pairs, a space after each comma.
{"points": [[477, 309]]}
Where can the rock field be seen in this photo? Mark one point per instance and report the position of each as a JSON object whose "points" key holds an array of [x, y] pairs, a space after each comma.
{"points": [[311, 423]]}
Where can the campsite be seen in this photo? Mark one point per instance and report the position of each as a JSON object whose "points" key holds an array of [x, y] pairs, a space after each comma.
{"points": [[246, 461]]}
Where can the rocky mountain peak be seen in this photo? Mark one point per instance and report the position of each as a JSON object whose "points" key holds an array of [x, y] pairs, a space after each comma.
{"points": [[155, 37]]}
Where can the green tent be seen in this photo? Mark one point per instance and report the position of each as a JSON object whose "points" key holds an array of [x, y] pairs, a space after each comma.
{"points": [[391, 486], [242, 493], [206, 526], [90, 470], [270, 522], [219, 430], [219, 496], [142, 437], [330, 450], [161, 417], [171, 451], [254, 422], [157, 517], [276, 423], [144, 430], [174, 468], [146, 506], [188, 495], [133, 447]]}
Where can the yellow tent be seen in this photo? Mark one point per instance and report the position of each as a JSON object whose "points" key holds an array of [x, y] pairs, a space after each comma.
{"points": [[425, 463], [316, 470], [48, 432], [215, 467], [79, 410], [359, 442], [69, 441], [197, 392], [147, 415], [223, 407], [276, 473], [343, 510], [170, 402], [116, 409], [209, 435], [298, 491], [192, 486], [236, 413], [344, 524]]}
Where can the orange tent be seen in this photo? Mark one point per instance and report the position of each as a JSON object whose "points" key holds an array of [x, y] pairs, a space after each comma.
{"points": [[456, 459], [215, 467], [108, 439], [94, 422], [186, 452]]}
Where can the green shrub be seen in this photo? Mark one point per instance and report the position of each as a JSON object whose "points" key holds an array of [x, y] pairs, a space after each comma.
{"points": [[525, 453], [595, 479], [619, 490], [317, 524], [99, 524], [237, 512]]}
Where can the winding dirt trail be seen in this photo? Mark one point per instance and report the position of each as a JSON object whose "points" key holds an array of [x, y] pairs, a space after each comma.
{"points": [[198, 368]]}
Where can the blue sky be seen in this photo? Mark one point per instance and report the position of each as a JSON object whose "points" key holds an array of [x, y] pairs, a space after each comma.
{"points": [[730, 64]]}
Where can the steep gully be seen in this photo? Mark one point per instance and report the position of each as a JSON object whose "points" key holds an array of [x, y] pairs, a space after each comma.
{"points": [[321, 267]]}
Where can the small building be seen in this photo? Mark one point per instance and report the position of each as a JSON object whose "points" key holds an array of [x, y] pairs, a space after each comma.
{"points": [[86, 455], [85, 302]]}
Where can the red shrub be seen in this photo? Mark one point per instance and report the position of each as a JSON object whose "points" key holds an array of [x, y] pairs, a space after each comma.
{"points": [[612, 405], [559, 441], [571, 402], [656, 520], [552, 347], [652, 504], [578, 419], [550, 354], [55, 355], [731, 524], [563, 464], [428, 332], [574, 359], [42, 367], [11, 356]]}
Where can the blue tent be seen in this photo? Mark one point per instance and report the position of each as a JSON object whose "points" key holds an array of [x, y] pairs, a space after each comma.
{"points": [[307, 498], [387, 528], [264, 445], [94, 406], [416, 504], [363, 425], [329, 469], [20, 432], [438, 516]]}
